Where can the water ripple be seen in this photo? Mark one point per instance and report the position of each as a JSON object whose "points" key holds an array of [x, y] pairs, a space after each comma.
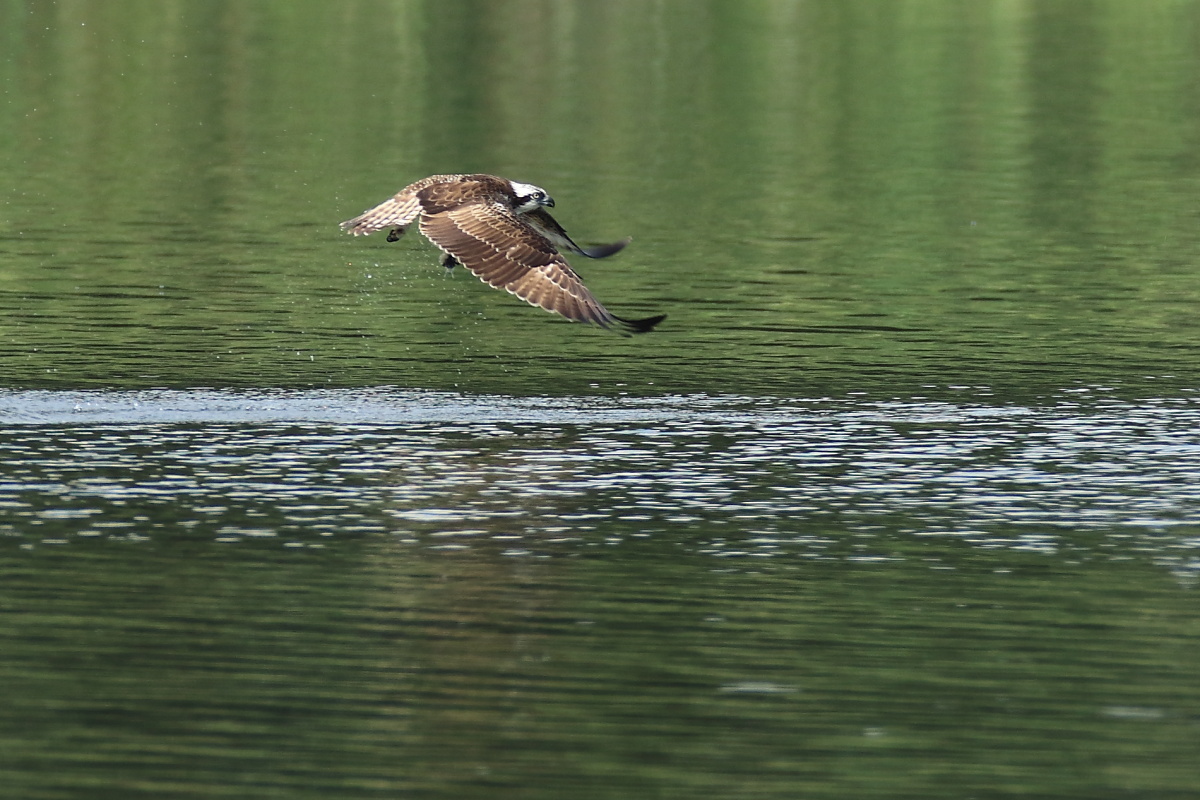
{"points": [[730, 474]]}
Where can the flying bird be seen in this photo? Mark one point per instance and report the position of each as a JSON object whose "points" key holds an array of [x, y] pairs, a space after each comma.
{"points": [[500, 230]]}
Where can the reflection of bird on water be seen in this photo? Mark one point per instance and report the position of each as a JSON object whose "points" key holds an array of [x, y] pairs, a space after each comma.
{"points": [[500, 230]]}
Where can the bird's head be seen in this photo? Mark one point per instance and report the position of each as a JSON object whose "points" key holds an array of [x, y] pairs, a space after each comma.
{"points": [[527, 197]]}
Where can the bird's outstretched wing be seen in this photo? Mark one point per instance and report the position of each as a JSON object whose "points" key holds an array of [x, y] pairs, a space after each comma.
{"points": [[508, 253], [548, 226], [397, 212]]}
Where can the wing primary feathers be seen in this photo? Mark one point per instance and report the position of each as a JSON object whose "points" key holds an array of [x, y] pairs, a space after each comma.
{"points": [[605, 250], [541, 221], [630, 326], [399, 210]]}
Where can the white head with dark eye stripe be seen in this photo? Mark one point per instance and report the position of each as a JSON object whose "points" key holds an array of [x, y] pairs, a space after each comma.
{"points": [[527, 197]]}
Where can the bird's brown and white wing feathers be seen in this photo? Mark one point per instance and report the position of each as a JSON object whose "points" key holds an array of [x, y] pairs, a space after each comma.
{"points": [[397, 212], [493, 242]]}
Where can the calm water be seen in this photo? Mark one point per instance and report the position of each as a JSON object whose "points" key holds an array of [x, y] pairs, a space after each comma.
{"points": [[902, 500]]}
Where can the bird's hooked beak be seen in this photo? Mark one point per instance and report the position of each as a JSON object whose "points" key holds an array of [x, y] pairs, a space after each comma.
{"points": [[548, 202]]}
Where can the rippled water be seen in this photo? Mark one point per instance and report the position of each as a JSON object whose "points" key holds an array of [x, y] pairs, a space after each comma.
{"points": [[728, 474], [384, 591]]}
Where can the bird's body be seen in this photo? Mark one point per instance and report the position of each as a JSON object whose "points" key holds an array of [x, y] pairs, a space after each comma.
{"points": [[499, 230]]}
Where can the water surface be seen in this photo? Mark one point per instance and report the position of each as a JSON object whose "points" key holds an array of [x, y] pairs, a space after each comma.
{"points": [[383, 591], [901, 500]]}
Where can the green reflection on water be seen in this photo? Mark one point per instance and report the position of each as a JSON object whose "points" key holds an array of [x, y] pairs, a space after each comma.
{"points": [[824, 196], [374, 668]]}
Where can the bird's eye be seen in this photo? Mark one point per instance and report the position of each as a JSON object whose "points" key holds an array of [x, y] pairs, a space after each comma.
{"points": [[539, 195]]}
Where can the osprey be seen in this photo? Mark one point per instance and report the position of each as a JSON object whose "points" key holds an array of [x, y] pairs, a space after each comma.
{"points": [[500, 230]]}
